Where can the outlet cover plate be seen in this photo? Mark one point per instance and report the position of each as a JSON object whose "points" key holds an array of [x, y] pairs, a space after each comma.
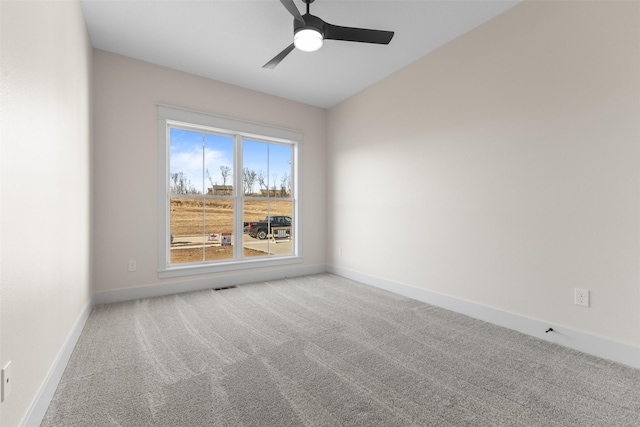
{"points": [[581, 297], [6, 381]]}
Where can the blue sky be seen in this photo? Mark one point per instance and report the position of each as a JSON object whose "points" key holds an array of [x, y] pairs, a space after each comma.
{"points": [[187, 156]]}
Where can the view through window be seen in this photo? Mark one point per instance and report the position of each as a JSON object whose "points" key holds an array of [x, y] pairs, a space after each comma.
{"points": [[230, 196]]}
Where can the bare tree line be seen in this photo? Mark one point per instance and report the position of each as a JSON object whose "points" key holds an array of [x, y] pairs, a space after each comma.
{"points": [[179, 183], [251, 177]]}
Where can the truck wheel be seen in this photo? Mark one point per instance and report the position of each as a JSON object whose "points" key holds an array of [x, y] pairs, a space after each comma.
{"points": [[261, 234]]}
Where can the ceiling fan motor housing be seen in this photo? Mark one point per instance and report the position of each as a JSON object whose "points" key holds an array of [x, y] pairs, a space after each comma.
{"points": [[308, 33], [310, 22]]}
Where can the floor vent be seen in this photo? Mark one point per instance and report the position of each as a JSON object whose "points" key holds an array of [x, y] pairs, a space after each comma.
{"points": [[225, 287]]}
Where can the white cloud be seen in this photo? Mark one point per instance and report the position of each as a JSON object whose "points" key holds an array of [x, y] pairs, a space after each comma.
{"points": [[190, 163]]}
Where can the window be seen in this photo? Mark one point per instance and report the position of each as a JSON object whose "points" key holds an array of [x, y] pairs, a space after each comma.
{"points": [[228, 193]]}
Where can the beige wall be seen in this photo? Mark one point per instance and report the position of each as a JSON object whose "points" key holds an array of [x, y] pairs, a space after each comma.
{"points": [[45, 190], [126, 92], [503, 169]]}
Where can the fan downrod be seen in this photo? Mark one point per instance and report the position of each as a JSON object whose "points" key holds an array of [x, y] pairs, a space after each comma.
{"points": [[308, 2]]}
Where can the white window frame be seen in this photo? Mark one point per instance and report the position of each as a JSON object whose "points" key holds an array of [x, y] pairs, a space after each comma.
{"points": [[169, 116]]}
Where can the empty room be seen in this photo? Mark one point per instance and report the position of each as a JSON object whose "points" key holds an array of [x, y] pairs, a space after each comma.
{"points": [[320, 213]]}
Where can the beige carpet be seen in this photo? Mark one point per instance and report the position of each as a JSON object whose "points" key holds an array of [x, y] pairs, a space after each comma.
{"points": [[326, 351]]}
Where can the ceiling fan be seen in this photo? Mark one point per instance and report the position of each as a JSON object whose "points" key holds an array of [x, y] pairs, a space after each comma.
{"points": [[309, 32]]}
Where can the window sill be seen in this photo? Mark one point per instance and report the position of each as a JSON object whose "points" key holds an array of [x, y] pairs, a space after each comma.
{"points": [[191, 270]]}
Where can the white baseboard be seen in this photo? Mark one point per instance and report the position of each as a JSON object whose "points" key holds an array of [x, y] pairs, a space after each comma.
{"points": [[577, 340], [161, 289], [41, 403]]}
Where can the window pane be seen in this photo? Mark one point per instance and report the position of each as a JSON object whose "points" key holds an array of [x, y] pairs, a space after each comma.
{"points": [[218, 164], [186, 157], [219, 226], [255, 158], [186, 226], [268, 227], [280, 170]]}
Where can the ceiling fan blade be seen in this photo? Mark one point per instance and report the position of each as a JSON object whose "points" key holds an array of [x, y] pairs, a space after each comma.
{"points": [[362, 35], [279, 57], [291, 7]]}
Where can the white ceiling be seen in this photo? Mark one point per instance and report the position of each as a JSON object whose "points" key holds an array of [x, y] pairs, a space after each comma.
{"points": [[230, 40]]}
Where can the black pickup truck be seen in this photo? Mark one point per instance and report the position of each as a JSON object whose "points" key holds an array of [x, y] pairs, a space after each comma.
{"points": [[272, 224]]}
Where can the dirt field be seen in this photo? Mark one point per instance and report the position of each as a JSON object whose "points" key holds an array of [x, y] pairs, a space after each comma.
{"points": [[187, 220], [186, 215]]}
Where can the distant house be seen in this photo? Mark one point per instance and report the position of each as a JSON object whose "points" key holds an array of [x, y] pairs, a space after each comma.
{"points": [[221, 190], [272, 192]]}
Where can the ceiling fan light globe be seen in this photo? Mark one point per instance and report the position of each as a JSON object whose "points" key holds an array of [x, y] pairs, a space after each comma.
{"points": [[308, 40]]}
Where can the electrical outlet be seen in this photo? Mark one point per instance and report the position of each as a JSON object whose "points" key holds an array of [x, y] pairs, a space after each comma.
{"points": [[6, 381], [581, 297], [132, 265], [339, 250]]}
